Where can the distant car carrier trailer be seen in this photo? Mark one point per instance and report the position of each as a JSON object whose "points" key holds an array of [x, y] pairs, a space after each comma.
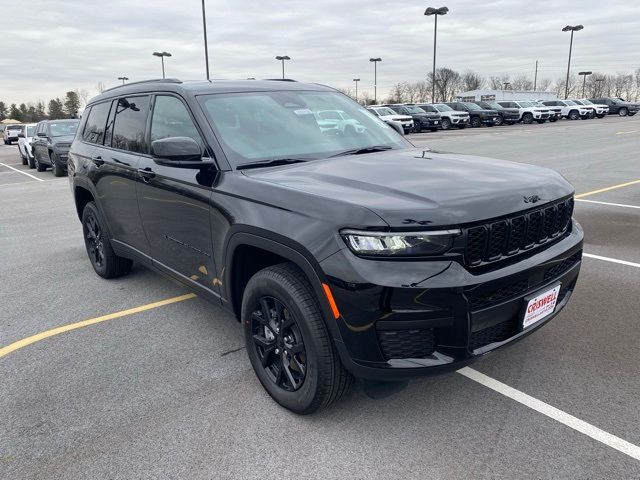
{"points": [[501, 95]]}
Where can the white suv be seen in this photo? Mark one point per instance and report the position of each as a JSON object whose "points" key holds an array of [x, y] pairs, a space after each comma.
{"points": [[600, 109], [529, 111], [570, 110], [450, 117], [402, 123]]}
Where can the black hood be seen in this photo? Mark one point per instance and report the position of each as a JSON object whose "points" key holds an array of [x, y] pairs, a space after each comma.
{"points": [[433, 188], [485, 111]]}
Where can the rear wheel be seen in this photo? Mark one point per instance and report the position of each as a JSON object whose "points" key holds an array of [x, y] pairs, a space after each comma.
{"points": [[287, 341], [446, 124], [103, 259], [527, 118]]}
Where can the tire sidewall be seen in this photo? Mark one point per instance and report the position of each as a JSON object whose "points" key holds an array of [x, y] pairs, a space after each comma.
{"points": [[446, 123], [91, 209], [623, 112], [302, 399], [527, 118]]}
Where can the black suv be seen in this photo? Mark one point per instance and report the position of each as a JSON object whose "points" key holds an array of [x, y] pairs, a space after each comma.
{"points": [[507, 116], [51, 144], [617, 106], [422, 119], [478, 116], [350, 254]]}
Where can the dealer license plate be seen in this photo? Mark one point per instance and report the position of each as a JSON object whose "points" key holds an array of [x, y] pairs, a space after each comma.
{"points": [[540, 306]]}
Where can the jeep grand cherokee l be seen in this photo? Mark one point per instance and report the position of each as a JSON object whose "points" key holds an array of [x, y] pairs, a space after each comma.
{"points": [[51, 145], [342, 255]]}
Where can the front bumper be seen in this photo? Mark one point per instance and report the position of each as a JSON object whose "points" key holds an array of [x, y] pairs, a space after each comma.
{"points": [[489, 120], [540, 116], [401, 319], [459, 120]]}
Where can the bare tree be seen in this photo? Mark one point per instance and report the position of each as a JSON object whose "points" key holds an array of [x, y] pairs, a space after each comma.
{"points": [[83, 95], [471, 81], [497, 82], [100, 87], [447, 83], [543, 84], [521, 82]]}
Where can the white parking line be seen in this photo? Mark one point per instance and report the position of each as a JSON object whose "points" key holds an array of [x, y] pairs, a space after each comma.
{"points": [[612, 260], [554, 413], [607, 203], [20, 171]]}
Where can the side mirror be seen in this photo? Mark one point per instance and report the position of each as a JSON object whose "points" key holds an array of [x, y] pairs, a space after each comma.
{"points": [[182, 152]]}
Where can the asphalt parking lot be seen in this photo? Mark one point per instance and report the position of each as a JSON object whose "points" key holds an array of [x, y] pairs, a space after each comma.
{"points": [[166, 390]]}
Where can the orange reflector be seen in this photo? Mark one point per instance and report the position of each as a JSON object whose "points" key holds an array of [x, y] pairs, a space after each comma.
{"points": [[332, 302]]}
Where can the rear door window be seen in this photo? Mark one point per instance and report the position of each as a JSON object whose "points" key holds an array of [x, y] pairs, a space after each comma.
{"points": [[130, 123], [96, 123]]}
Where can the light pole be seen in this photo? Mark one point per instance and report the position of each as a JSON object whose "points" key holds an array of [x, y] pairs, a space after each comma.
{"points": [[282, 59], [162, 55], [571, 29], [124, 79], [435, 12], [206, 48], [375, 78], [584, 80], [356, 80]]}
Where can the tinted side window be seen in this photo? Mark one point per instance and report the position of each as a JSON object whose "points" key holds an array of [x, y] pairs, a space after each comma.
{"points": [[130, 124], [171, 119], [96, 122]]}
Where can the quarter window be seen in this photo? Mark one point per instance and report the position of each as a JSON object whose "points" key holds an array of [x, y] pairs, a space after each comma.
{"points": [[96, 121], [130, 124]]}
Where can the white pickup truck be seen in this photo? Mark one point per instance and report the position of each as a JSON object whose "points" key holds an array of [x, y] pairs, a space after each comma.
{"points": [[529, 111]]}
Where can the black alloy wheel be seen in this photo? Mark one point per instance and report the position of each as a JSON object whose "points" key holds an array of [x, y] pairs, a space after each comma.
{"points": [[94, 240], [623, 112], [278, 343], [499, 121], [476, 122], [417, 126]]}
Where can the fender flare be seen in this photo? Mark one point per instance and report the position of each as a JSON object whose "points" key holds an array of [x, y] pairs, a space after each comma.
{"points": [[280, 245]]}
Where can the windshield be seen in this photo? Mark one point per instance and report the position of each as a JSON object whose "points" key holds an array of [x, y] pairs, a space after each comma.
{"points": [[14, 127], [616, 100], [443, 108], [263, 126], [587, 102], [472, 106], [428, 108], [577, 102], [494, 105], [62, 129], [415, 110], [30, 130], [385, 111]]}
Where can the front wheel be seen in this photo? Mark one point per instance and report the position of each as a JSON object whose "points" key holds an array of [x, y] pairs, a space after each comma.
{"points": [[22, 157], [574, 115], [476, 122], [446, 124], [39, 166], [527, 118], [287, 341], [417, 127], [623, 112], [103, 259], [57, 170], [499, 121]]}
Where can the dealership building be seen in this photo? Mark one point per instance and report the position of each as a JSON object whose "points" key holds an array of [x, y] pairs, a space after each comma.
{"points": [[498, 95]]}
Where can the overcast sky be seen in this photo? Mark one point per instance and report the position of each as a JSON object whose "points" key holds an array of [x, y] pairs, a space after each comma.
{"points": [[50, 47]]}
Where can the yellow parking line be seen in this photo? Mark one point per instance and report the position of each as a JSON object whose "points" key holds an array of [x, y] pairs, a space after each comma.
{"points": [[608, 188], [92, 321]]}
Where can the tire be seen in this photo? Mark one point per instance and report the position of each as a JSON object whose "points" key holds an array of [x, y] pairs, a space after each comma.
{"points": [[475, 122], [31, 161], [623, 112], [22, 157], [527, 118], [461, 126], [602, 115], [103, 259], [56, 169], [446, 124], [499, 121], [39, 167], [316, 379], [540, 121], [417, 127], [553, 120], [574, 115]]}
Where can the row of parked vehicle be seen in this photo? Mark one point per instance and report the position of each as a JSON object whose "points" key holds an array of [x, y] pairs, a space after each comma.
{"points": [[43, 145], [418, 117]]}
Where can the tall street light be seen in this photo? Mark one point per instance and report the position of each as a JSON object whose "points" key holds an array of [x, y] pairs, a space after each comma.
{"points": [[206, 48], [584, 80], [571, 29], [375, 78], [124, 79], [435, 12], [282, 59], [356, 80], [162, 55]]}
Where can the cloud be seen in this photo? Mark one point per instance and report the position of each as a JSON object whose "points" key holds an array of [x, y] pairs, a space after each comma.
{"points": [[78, 43]]}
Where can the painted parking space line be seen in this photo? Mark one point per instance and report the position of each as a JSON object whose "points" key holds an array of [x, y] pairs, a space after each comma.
{"points": [[554, 413], [20, 171], [628, 132], [612, 260], [92, 321], [606, 189], [607, 203]]}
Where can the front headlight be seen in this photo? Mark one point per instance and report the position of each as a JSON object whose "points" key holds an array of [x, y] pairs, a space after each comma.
{"points": [[399, 244]]}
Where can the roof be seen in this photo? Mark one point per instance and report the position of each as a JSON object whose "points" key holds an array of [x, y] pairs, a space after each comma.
{"points": [[201, 87]]}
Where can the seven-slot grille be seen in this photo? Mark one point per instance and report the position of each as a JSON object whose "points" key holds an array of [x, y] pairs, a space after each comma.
{"points": [[496, 240]]}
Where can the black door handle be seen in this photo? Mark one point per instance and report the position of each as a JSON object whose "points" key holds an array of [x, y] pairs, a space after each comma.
{"points": [[146, 173], [97, 161]]}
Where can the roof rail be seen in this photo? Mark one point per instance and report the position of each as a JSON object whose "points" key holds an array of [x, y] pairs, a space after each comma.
{"points": [[153, 80]]}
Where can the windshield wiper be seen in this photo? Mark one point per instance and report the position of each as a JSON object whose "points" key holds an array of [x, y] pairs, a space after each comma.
{"points": [[272, 163], [359, 151]]}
